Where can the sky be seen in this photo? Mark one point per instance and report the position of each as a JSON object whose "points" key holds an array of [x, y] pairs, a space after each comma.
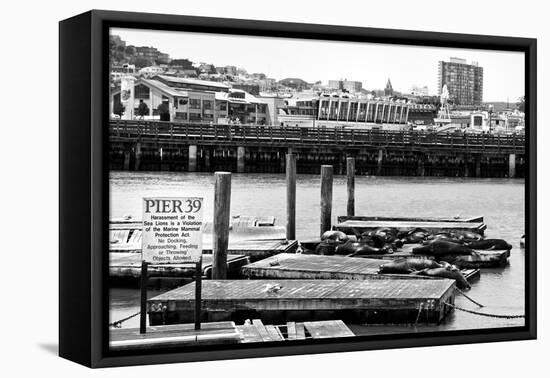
{"points": [[313, 60]]}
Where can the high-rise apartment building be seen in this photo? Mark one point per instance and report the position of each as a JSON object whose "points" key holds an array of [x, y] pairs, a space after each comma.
{"points": [[464, 81]]}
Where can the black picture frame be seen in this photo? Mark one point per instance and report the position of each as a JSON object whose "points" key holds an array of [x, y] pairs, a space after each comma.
{"points": [[83, 180]]}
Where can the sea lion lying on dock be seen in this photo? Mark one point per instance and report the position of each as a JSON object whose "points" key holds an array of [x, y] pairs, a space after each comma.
{"points": [[494, 244], [337, 236], [442, 248], [452, 273], [407, 266], [466, 236], [361, 249], [414, 236], [326, 247]]}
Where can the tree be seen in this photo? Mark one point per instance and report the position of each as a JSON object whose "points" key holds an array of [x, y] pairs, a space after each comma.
{"points": [[118, 108], [143, 109], [130, 50], [521, 104]]}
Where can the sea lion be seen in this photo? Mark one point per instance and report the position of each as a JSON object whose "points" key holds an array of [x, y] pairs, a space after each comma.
{"points": [[466, 235], [337, 236], [326, 247], [406, 266], [359, 249], [456, 275], [442, 248], [494, 244]]}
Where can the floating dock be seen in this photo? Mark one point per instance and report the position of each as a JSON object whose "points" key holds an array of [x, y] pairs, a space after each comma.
{"points": [[126, 268], [364, 301], [300, 266], [174, 336], [255, 237], [354, 226], [258, 332], [482, 259]]}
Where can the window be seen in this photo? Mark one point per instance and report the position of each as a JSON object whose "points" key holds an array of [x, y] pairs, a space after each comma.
{"points": [[141, 92], [207, 104], [194, 103]]}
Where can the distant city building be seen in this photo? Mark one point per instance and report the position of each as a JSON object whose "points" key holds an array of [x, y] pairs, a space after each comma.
{"points": [[347, 85], [151, 71], [388, 91], [419, 91], [464, 81], [294, 83]]}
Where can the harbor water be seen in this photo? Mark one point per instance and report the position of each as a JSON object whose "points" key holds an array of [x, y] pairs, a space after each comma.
{"points": [[500, 201]]}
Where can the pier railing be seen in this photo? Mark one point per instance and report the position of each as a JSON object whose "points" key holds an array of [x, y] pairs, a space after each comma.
{"points": [[284, 136]]}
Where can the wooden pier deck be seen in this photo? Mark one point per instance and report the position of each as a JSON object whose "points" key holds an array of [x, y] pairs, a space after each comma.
{"points": [[366, 301], [258, 332], [300, 266], [174, 336]]}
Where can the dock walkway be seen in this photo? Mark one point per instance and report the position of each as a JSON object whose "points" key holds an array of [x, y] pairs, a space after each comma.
{"points": [[258, 332], [374, 301]]}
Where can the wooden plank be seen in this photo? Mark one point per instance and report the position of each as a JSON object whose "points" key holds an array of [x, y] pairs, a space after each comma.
{"points": [[274, 333], [173, 335], [291, 330], [300, 331], [328, 329], [262, 331]]}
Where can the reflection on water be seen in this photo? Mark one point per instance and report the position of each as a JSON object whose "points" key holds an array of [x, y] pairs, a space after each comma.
{"points": [[500, 201]]}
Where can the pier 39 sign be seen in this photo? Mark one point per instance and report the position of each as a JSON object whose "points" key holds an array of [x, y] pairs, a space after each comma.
{"points": [[172, 230]]}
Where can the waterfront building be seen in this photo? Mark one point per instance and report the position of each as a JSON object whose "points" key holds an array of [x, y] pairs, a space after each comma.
{"points": [[419, 91], [464, 81], [151, 71], [200, 101], [340, 109]]}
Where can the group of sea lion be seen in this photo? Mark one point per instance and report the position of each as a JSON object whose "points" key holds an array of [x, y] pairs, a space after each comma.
{"points": [[443, 246], [425, 267]]}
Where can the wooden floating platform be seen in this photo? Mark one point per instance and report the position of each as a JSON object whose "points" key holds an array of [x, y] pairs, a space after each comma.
{"points": [[174, 336], [301, 266], [128, 265], [478, 219], [483, 259], [356, 227], [365, 301], [258, 332], [255, 237]]}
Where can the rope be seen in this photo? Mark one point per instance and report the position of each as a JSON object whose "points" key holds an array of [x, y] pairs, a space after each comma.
{"points": [[484, 314], [118, 323], [467, 297], [419, 310]]}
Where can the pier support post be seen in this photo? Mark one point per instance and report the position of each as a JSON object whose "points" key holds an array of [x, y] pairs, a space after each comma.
{"points": [[379, 162], [192, 166], [240, 159], [350, 171], [137, 152], [291, 197], [421, 168], [326, 197], [466, 166], [127, 157], [220, 232], [478, 166], [207, 159], [512, 166]]}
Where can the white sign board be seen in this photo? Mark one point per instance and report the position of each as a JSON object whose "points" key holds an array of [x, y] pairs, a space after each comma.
{"points": [[172, 230]]}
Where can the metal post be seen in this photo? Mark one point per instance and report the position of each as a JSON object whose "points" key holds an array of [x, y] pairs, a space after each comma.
{"points": [[198, 294], [143, 299]]}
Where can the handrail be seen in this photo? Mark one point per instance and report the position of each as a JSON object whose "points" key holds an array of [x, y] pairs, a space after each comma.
{"points": [[317, 135]]}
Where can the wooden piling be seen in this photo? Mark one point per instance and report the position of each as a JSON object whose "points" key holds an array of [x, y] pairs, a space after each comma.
{"points": [[240, 159], [326, 197], [192, 166], [291, 197], [512, 166], [379, 161], [220, 234], [350, 170], [137, 160]]}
